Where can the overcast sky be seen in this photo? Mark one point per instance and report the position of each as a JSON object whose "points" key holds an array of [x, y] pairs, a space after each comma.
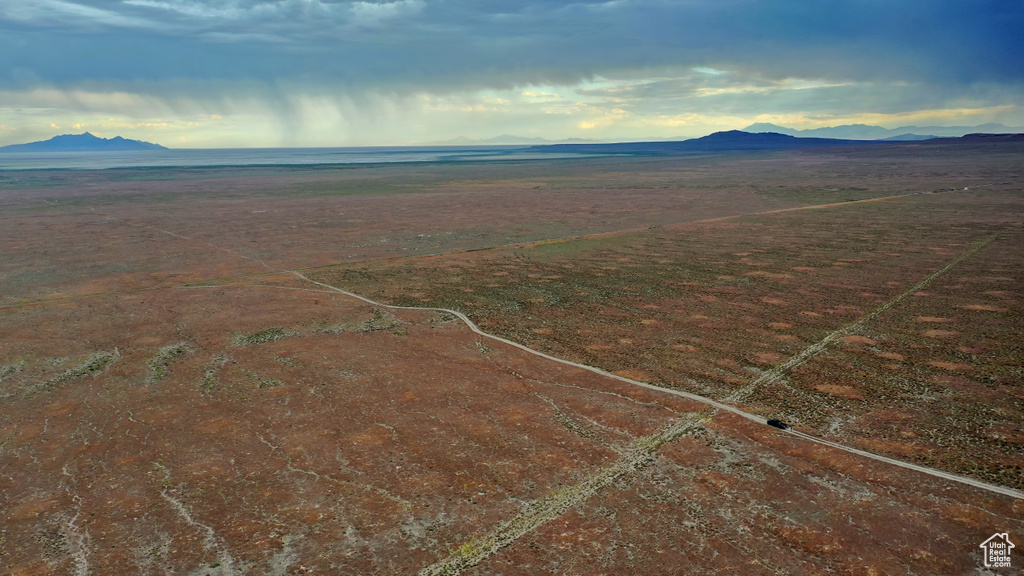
{"points": [[228, 73]]}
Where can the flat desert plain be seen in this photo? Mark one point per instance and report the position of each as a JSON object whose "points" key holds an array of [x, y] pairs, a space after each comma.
{"points": [[190, 385]]}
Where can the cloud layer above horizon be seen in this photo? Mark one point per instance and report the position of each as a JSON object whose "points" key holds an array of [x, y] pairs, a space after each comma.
{"points": [[332, 72]]}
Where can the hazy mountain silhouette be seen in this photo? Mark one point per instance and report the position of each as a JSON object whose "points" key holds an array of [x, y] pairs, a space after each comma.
{"points": [[738, 141], [865, 132], [82, 143], [732, 140], [909, 137]]}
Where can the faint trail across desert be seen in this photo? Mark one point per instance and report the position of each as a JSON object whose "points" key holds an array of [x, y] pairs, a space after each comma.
{"points": [[804, 355], [272, 270], [643, 450], [552, 506], [547, 509], [818, 347]]}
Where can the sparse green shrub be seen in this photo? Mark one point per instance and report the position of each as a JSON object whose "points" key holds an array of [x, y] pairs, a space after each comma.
{"points": [[262, 336], [383, 320], [262, 382], [443, 318], [159, 363], [269, 383], [337, 328], [210, 376], [94, 365], [287, 361], [11, 368]]}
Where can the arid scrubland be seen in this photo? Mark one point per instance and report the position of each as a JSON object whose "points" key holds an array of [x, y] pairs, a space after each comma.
{"points": [[174, 400]]}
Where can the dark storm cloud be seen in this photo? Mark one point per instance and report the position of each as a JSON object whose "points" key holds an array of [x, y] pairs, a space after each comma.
{"points": [[460, 44], [735, 94], [332, 72]]}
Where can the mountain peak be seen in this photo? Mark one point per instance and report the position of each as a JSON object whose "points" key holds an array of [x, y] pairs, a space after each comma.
{"points": [[85, 142], [866, 132]]}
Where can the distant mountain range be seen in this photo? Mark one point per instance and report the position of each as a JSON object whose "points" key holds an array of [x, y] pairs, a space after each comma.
{"points": [[719, 141], [738, 140], [865, 132], [760, 136], [82, 143], [844, 132]]}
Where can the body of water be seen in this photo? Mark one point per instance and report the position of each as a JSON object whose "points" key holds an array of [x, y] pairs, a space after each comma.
{"points": [[266, 157]]}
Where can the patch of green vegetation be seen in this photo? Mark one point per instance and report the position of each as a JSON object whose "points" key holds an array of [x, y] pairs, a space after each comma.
{"points": [[443, 318], [165, 356], [287, 361], [820, 195], [166, 480], [573, 247], [262, 336], [11, 368], [91, 367], [346, 374], [470, 549], [262, 382], [269, 383], [210, 380], [337, 328], [383, 320]]}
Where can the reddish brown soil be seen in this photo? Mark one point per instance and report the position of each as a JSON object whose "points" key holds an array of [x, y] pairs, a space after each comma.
{"points": [[365, 451], [740, 499], [706, 307], [170, 404], [949, 397], [106, 230]]}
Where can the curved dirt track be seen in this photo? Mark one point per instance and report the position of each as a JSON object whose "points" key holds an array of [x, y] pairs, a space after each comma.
{"points": [[716, 404]]}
